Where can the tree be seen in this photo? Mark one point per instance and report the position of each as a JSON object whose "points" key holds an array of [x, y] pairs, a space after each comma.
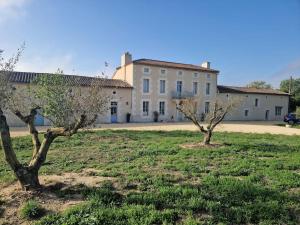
{"points": [[62, 101], [215, 115], [259, 84], [294, 84]]}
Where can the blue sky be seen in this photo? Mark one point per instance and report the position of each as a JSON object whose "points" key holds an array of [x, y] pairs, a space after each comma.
{"points": [[245, 40]]}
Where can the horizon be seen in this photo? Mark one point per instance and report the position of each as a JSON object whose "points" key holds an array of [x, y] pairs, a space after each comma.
{"points": [[245, 41]]}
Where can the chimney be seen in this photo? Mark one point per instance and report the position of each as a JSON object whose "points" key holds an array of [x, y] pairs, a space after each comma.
{"points": [[126, 59], [206, 65]]}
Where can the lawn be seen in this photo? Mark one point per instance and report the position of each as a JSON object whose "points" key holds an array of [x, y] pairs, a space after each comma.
{"points": [[250, 179]]}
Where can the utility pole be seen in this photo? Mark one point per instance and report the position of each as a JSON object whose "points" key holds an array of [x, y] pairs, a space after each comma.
{"points": [[290, 84]]}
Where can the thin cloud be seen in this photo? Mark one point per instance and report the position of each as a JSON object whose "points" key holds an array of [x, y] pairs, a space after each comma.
{"points": [[12, 9], [291, 69], [46, 64]]}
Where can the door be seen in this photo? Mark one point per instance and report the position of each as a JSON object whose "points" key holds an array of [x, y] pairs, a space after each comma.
{"points": [[267, 114], [39, 120], [114, 112]]}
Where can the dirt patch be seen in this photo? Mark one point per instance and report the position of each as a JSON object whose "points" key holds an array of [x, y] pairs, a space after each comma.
{"points": [[14, 197], [200, 145]]}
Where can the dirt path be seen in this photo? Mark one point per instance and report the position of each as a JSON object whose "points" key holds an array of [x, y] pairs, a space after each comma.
{"points": [[244, 127]]}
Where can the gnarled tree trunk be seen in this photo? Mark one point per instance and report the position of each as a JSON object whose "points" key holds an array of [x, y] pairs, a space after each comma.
{"points": [[28, 178], [207, 137]]}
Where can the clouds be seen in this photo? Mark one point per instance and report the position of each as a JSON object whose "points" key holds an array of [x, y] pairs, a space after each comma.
{"points": [[66, 62], [46, 64], [12, 9], [291, 69]]}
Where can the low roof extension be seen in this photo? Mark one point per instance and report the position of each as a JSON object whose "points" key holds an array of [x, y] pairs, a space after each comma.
{"points": [[27, 77], [246, 90]]}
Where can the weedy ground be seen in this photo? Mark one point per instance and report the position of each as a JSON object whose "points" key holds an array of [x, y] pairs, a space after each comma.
{"points": [[153, 179]]}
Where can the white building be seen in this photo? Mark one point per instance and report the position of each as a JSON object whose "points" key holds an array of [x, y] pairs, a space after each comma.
{"points": [[142, 86]]}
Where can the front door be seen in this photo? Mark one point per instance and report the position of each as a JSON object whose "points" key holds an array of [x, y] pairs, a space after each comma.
{"points": [[267, 114], [39, 120], [114, 112]]}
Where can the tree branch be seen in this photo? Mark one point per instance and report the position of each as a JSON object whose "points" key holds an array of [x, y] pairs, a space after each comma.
{"points": [[29, 120]]}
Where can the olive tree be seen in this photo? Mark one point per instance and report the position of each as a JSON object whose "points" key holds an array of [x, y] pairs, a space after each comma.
{"points": [[61, 100], [208, 121]]}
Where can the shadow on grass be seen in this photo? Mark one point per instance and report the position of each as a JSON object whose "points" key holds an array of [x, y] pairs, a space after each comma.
{"points": [[225, 200]]}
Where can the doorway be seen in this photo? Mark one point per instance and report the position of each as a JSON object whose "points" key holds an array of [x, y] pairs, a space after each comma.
{"points": [[39, 120], [267, 114], [114, 112]]}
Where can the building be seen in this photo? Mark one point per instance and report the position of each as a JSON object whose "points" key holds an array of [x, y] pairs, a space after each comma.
{"points": [[141, 87], [257, 104], [159, 86]]}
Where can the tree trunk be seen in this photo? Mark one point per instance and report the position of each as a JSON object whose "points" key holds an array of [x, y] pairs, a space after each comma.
{"points": [[28, 178], [207, 137]]}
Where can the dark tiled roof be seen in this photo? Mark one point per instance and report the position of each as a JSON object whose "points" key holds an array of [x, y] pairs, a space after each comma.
{"points": [[159, 63], [27, 77], [246, 90]]}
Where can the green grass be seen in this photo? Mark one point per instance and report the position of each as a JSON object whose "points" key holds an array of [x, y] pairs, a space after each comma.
{"points": [[31, 210], [251, 179]]}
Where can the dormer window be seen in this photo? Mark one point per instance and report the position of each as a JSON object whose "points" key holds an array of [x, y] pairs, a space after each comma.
{"points": [[146, 70]]}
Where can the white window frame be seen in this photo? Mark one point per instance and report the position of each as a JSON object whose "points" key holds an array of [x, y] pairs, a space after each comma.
{"points": [[206, 110], [149, 70], [163, 74], [277, 106], [144, 113], [178, 73], [159, 109], [181, 86], [148, 86], [159, 91], [209, 92], [195, 91]]}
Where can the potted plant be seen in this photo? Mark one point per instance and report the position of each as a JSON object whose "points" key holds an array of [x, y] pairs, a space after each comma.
{"points": [[128, 115], [155, 116]]}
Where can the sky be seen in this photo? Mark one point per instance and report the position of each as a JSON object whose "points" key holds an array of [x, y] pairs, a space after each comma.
{"points": [[244, 40]]}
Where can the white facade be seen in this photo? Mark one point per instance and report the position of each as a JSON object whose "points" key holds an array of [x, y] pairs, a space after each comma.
{"points": [[149, 86]]}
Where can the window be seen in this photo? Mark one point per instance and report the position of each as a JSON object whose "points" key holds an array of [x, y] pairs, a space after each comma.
{"points": [[246, 112], [195, 88], [145, 108], [162, 108], [206, 109], [146, 85], [179, 87], [278, 110], [208, 76], [195, 75], [162, 86], [146, 70], [163, 71], [207, 89], [256, 102], [179, 73]]}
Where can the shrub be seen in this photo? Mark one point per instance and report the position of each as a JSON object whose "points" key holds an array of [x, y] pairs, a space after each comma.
{"points": [[32, 210]]}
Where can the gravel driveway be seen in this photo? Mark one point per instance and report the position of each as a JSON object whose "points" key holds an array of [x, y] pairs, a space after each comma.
{"points": [[229, 126]]}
